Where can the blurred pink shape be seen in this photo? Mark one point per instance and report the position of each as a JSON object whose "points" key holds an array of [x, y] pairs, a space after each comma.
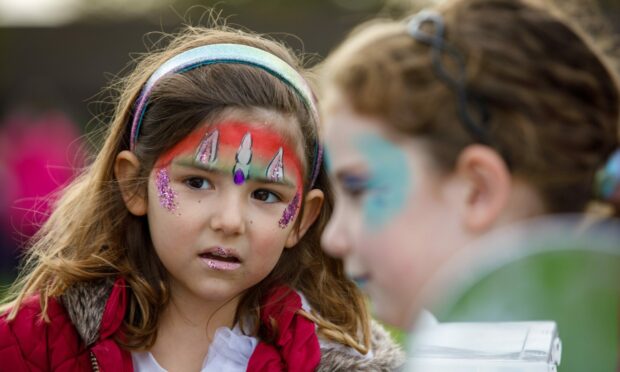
{"points": [[40, 154]]}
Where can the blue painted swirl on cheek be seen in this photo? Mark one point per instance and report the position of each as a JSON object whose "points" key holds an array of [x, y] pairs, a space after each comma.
{"points": [[389, 182]]}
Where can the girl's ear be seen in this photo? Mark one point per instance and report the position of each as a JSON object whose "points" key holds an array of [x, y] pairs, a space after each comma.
{"points": [[312, 207], [126, 168], [489, 186]]}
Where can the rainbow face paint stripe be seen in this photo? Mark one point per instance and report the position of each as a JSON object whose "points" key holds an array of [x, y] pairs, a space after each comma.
{"points": [[389, 182], [246, 152], [230, 54]]}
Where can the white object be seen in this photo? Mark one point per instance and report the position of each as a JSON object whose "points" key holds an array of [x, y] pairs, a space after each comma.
{"points": [[486, 347]]}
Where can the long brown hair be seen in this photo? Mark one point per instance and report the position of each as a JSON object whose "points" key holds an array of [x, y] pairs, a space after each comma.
{"points": [[92, 236], [552, 99]]}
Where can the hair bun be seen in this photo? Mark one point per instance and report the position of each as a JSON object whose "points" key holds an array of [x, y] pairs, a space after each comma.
{"points": [[607, 179]]}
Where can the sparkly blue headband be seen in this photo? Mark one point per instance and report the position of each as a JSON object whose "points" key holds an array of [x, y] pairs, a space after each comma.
{"points": [[235, 54]]}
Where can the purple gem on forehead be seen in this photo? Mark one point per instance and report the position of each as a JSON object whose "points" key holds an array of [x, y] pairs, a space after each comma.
{"points": [[166, 194], [239, 177], [290, 212]]}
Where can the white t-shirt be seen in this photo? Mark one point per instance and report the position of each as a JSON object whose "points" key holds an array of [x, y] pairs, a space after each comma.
{"points": [[230, 351]]}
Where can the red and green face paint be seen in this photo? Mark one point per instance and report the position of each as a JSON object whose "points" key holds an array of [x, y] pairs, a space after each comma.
{"points": [[246, 151]]}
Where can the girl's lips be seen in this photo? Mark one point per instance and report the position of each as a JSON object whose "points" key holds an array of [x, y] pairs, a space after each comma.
{"points": [[220, 253], [221, 265], [219, 258]]}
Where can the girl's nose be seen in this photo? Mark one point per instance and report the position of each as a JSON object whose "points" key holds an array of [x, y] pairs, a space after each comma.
{"points": [[228, 216], [334, 240]]}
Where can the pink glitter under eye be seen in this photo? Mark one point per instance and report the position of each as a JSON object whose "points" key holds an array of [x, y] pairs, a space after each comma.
{"points": [[290, 212], [167, 196]]}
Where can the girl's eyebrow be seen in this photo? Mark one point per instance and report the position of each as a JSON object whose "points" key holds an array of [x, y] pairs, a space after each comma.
{"points": [[190, 163], [351, 172], [263, 179]]}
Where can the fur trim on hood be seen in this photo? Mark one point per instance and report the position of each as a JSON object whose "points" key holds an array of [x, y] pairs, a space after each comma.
{"points": [[386, 355], [85, 303]]}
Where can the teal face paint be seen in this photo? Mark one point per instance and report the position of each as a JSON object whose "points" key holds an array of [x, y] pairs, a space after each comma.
{"points": [[389, 182]]}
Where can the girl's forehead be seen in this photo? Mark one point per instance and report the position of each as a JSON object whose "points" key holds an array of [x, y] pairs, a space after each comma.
{"points": [[267, 138], [286, 125]]}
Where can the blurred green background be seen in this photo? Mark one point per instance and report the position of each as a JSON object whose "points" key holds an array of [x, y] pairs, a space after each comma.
{"points": [[550, 275]]}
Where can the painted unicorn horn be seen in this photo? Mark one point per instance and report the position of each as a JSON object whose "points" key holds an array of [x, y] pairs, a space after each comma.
{"points": [[275, 169], [207, 151], [241, 171]]}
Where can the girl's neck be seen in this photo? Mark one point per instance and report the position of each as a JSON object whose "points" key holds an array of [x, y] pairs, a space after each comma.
{"points": [[186, 309], [186, 328]]}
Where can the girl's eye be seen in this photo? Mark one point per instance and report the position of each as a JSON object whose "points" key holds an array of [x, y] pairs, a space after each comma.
{"points": [[266, 196], [355, 193], [354, 186], [198, 183]]}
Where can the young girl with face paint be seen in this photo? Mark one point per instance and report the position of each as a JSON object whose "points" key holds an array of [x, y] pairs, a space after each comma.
{"points": [[447, 126], [192, 241]]}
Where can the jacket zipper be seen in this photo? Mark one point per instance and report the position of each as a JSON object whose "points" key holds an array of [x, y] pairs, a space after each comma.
{"points": [[93, 361]]}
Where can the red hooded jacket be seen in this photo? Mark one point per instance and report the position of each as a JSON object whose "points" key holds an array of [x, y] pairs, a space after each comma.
{"points": [[27, 343]]}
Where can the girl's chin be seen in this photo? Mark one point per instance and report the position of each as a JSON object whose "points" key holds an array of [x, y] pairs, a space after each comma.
{"points": [[210, 293]]}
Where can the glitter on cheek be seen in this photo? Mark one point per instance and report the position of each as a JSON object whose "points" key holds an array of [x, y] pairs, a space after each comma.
{"points": [[290, 212], [167, 196]]}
